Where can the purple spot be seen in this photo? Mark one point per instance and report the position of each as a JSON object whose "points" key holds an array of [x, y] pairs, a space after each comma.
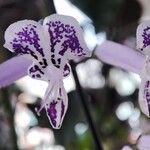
{"points": [[38, 76], [146, 37], [29, 36], [147, 84], [43, 63], [66, 70], [33, 76], [34, 69], [19, 49], [21, 43], [58, 32], [52, 112]]}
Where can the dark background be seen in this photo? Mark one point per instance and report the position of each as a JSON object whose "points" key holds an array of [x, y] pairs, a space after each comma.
{"points": [[118, 19]]}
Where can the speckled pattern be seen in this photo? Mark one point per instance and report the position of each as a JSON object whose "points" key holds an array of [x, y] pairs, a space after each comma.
{"points": [[147, 94], [146, 37], [63, 32], [50, 46]]}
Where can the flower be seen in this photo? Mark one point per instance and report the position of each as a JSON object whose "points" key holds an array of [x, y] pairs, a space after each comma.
{"points": [[50, 46], [131, 60], [143, 45]]}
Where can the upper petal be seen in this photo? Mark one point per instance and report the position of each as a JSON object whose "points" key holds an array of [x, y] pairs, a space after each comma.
{"points": [[143, 37], [66, 39], [27, 38]]}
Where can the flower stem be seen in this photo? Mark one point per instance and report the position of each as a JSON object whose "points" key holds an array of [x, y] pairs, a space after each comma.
{"points": [[79, 89]]}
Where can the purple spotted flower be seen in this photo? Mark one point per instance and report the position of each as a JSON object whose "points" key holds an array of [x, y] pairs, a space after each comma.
{"points": [[144, 94], [132, 60], [49, 46], [143, 44]]}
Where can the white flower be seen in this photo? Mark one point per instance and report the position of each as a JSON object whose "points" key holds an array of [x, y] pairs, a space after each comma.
{"points": [[50, 46]]}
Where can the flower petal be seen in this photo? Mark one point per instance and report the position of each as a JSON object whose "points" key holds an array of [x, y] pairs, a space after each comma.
{"points": [[120, 56], [56, 109], [143, 37], [66, 71], [36, 72], [143, 142], [144, 95], [66, 39], [27, 38], [13, 69]]}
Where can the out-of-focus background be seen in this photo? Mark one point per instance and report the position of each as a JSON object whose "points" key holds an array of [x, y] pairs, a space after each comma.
{"points": [[113, 91]]}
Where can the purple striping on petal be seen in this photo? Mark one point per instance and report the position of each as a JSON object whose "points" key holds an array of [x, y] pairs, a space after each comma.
{"points": [[147, 94], [52, 112], [147, 84], [35, 71], [146, 37], [21, 43], [43, 63], [62, 109], [19, 49], [58, 32], [66, 70], [29, 36]]}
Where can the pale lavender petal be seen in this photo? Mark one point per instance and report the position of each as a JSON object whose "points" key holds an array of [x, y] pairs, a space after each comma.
{"points": [[144, 89], [37, 72], [144, 95], [144, 142], [143, 37], [13, 69], [56, 108], [66, 39], [27, 38], [120, 56]]}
